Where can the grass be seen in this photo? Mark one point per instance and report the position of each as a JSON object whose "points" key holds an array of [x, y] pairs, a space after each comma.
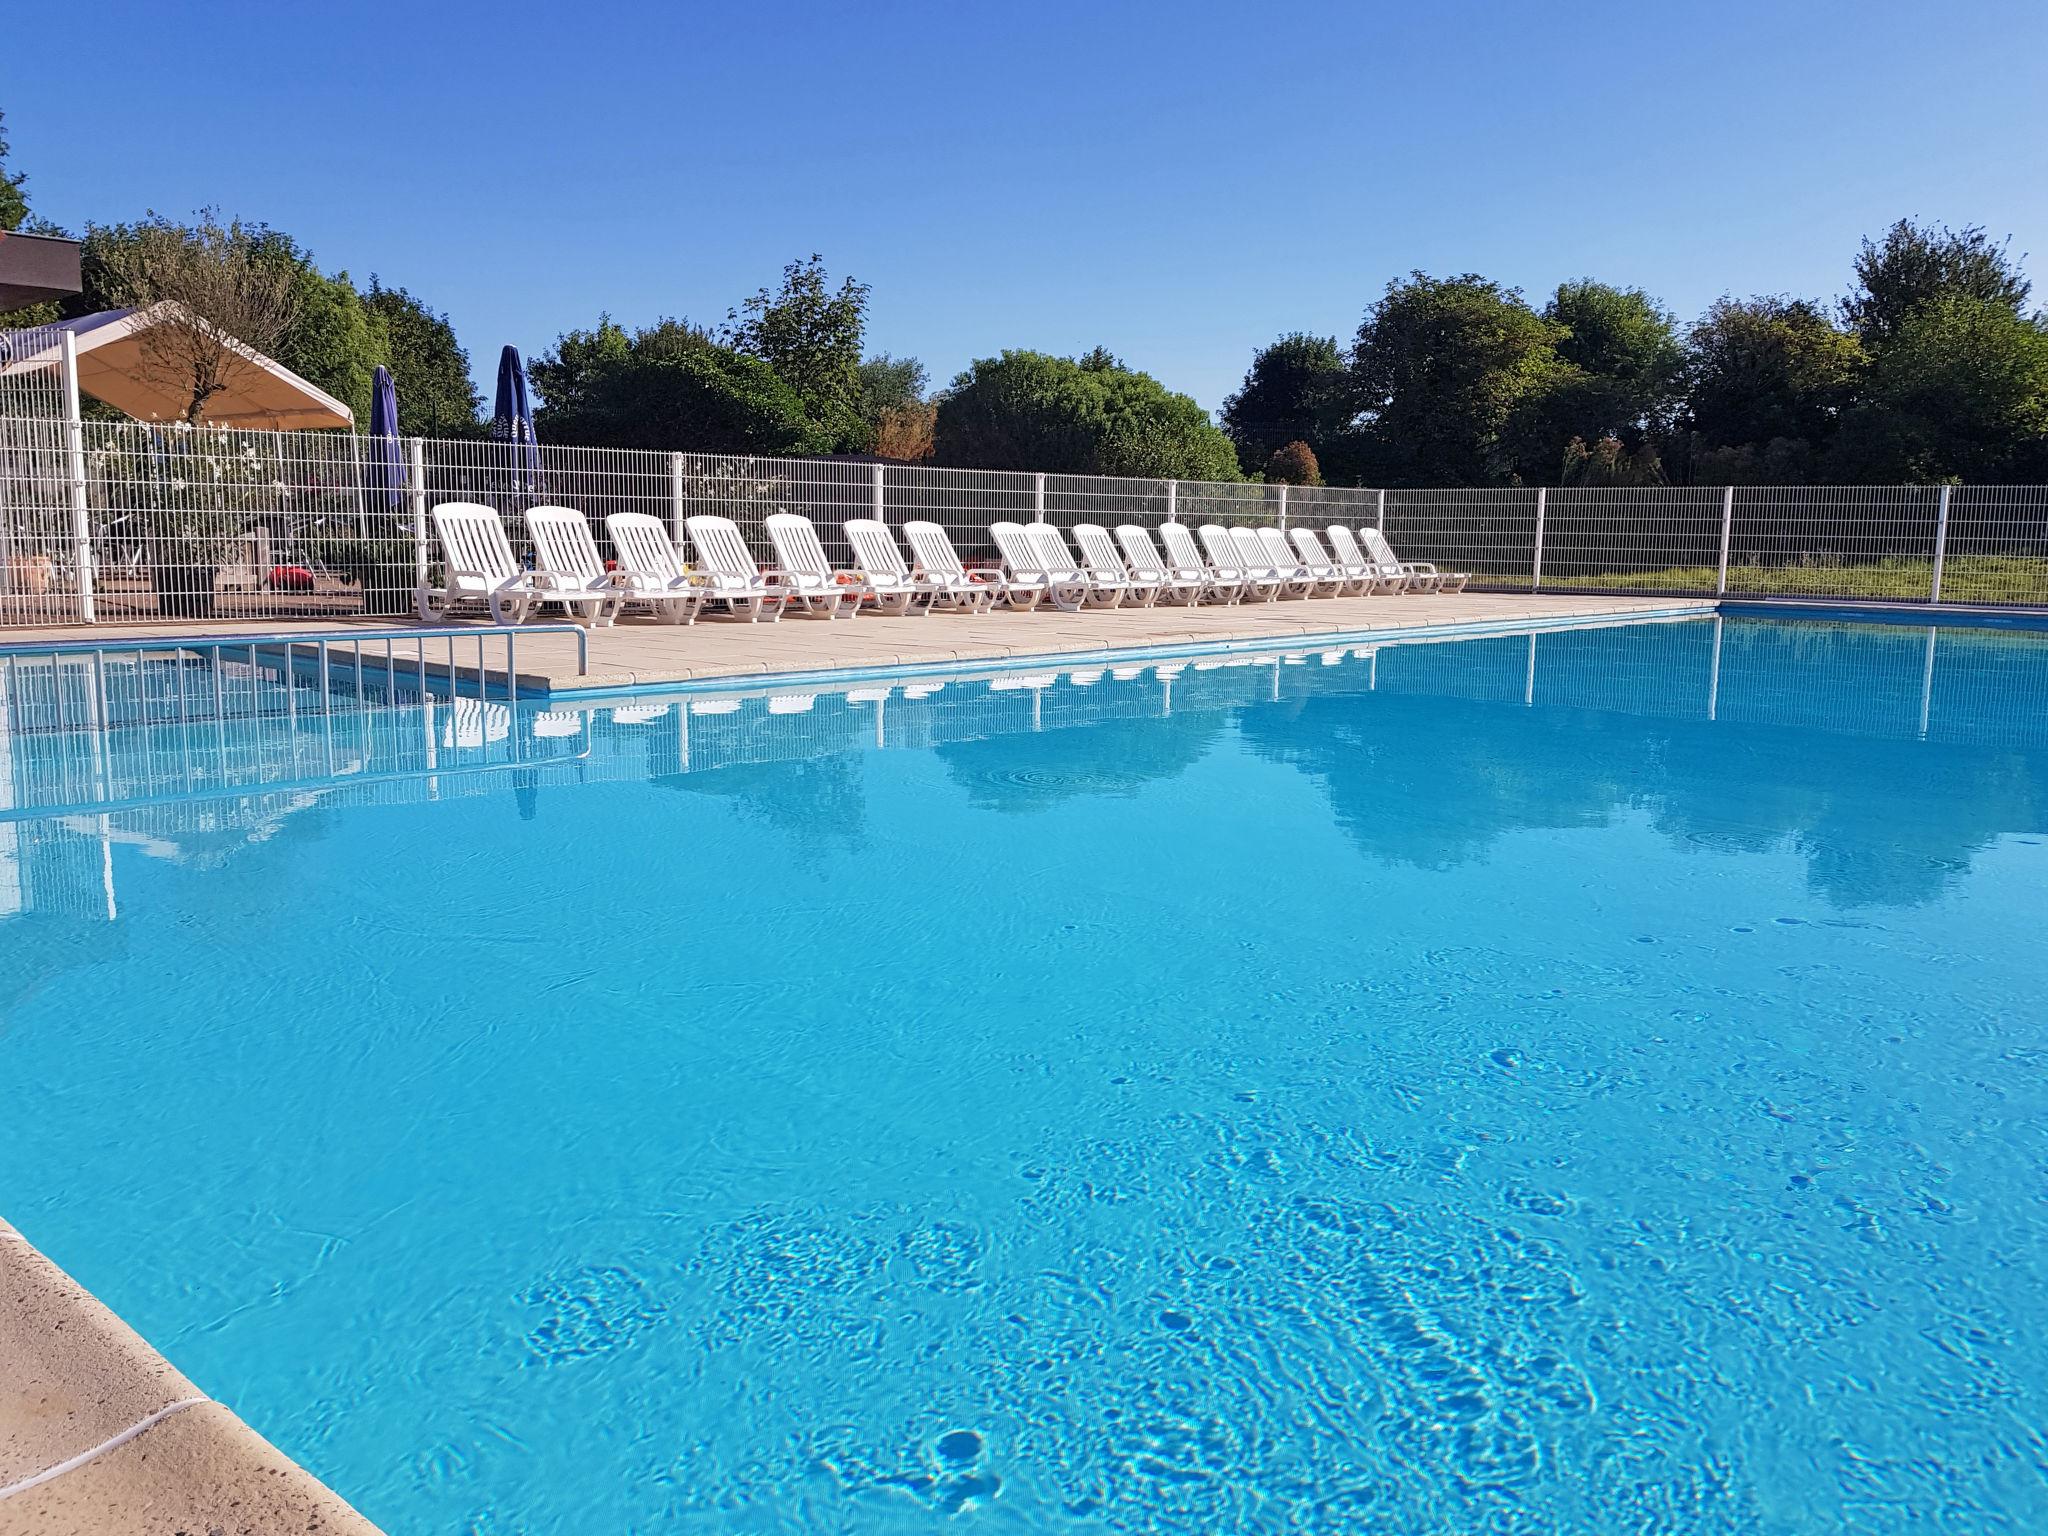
{"points": [[1964, 579]]}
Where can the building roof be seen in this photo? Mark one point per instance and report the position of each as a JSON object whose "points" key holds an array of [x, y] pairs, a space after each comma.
{"points": [[36, 267]]}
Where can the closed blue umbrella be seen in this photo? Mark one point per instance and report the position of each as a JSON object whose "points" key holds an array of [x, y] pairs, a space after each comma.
{"points": [[387, 459], [512, 422]]}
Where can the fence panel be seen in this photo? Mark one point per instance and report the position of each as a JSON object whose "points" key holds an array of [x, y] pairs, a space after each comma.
{"points": [[1490, 533], [1863, 541], [1997, 548], [1628, 538]]}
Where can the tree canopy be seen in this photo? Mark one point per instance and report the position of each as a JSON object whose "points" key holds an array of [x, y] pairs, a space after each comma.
{"points": [[1915, 265], [667, 386], [1296, 391], [437, 397], [1090, 415], [810, 336], [13, 188]]}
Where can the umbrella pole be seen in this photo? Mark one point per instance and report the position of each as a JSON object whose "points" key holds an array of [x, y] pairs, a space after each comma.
{"points": [[355, 453]]}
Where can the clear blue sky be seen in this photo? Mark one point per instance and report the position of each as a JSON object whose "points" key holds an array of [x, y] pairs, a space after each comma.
{"points": [[1179, 182]]}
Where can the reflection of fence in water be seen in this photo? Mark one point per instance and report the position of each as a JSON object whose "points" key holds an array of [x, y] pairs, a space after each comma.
{"points": [[257, 765]]}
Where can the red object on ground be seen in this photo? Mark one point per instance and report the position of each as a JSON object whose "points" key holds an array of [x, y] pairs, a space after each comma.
{"points": [[291, 578]]}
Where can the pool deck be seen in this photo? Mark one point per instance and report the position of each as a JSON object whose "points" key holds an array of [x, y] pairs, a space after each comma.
{"points": [[99, 1433], [638, 652]]}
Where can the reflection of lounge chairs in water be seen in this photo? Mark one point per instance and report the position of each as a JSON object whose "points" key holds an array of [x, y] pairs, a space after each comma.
{"points": [[475, 722]]}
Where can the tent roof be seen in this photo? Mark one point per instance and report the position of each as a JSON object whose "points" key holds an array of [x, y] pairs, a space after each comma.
{"points": [[113, 367]]}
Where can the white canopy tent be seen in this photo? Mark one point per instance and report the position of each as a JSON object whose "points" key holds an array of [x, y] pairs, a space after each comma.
{"points": [[114, 366]]}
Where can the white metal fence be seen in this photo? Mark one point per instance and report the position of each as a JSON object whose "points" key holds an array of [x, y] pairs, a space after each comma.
{"points": [[125, 521]]}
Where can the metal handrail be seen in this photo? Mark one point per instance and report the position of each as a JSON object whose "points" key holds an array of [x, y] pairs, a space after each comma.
{"points": [[289, 641]]}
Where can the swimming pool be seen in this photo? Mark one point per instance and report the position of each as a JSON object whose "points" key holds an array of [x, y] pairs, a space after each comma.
{"points": [[1588, 1082]]}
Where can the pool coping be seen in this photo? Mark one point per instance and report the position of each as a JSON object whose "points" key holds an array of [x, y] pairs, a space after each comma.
{"points": [[99, 1432], [1025, 661]]}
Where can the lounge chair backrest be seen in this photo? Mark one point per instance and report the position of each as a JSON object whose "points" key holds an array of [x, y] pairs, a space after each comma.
{"points": [[1098, 551], [1141, 554], [933, 550], [1382, 551], [1222, 549], [1014, 545], [562, 542], [1349, 555], [473, 542], [1051, 548], [874, 547], [1309, 545], [723, 547], [1251, 551], [644, 547], [1279, 554], [1180, 546], [797, 546]]}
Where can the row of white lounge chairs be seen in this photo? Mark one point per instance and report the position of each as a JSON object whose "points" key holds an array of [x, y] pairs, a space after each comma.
{"points": [[1214, 563]]}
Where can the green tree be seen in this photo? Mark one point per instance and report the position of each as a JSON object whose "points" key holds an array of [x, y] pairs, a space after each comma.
{"points": [[1439, 368], [436, 395], [335, 342], [811, 336], [673, 387], [1296, 390], [1092, 415], [1916, 264], [1768, 381], [13, 196], [890, 383], [1958, 392]]}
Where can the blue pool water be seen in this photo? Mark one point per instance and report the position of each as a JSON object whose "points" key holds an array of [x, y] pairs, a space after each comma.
{"points": [[1596, 1084]]}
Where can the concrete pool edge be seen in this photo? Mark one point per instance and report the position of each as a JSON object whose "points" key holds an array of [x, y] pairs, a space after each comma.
{"points": [[99, 1432], [727, 679]]}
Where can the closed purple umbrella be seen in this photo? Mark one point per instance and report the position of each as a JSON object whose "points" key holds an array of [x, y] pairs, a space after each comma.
{"points": [[387, 457], [512, 423]]}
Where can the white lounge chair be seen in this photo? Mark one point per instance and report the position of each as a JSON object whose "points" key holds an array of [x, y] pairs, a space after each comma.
{"points": [[1226, 556], [1027, 576], [1315, 559], [887, 575], [1147, 565], [1273, 559], [1303, 577], [1361, 566], [1184, 555], [730, 575], [567, 567], [1099, 554], [938, 563], [649, 569], [805, 570], [1430, 578], [1105, 588], [476, 558]]}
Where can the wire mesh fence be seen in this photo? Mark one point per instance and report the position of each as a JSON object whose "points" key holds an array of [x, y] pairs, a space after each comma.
{"points": [[127, 521]]}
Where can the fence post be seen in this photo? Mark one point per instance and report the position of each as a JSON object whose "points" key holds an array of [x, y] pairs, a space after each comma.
{"points": [[1727, 527], [1038, 497], [1940, 548], [1173, 501], [676, 498], [1536, 564], [880, 501], [1281, 515], [416, 448], [1380, 511], [74, 472]]}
